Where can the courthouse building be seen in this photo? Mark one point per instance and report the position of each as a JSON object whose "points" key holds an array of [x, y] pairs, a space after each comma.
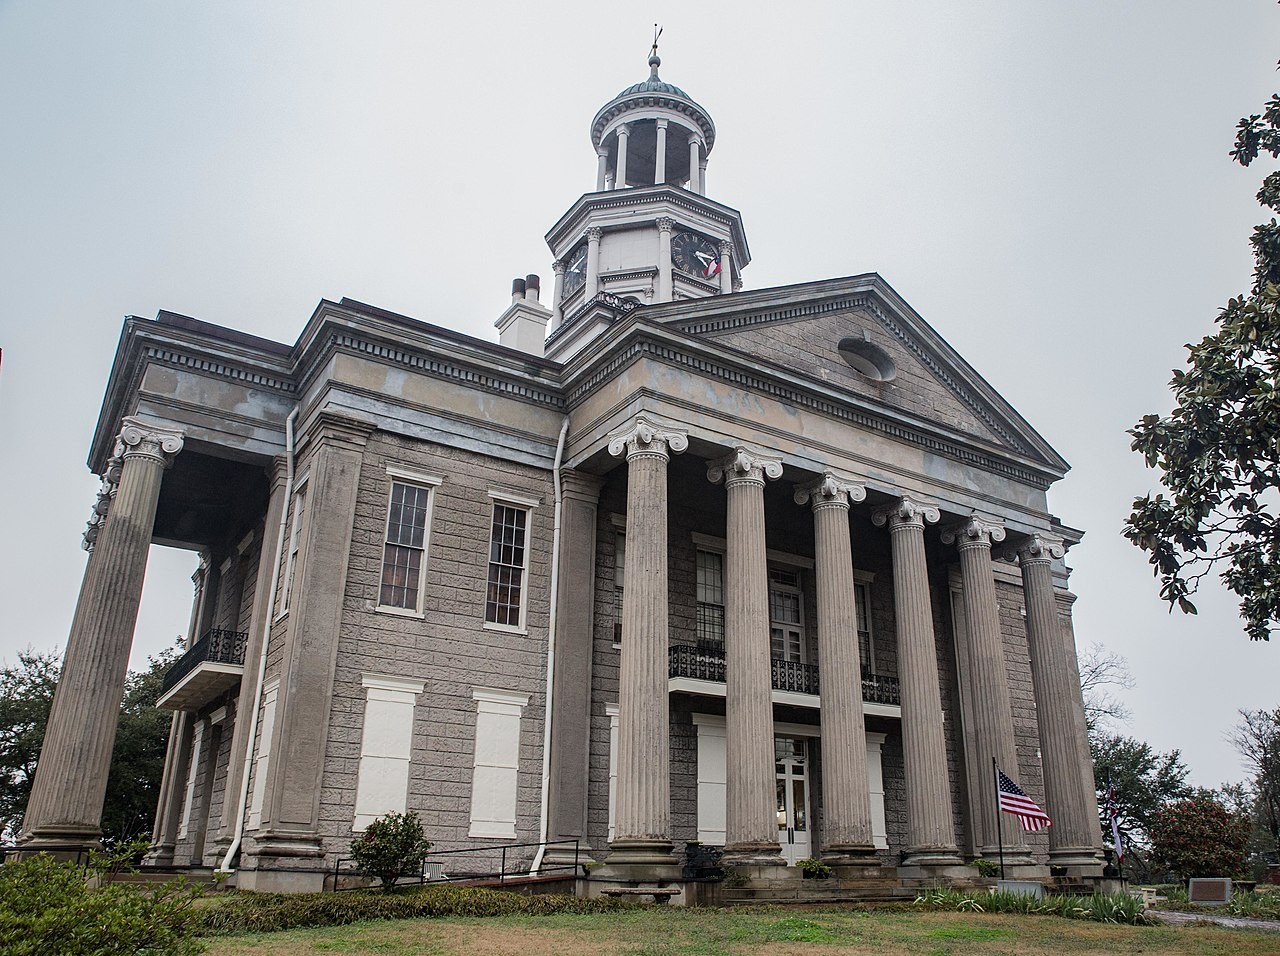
{"points": [[677, 560]]}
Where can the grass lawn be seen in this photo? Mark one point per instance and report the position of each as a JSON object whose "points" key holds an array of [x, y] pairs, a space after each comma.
{"points": [[769, 932]]}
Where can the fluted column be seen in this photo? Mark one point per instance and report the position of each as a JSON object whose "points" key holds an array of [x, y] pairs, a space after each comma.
{"points": [[846, 808], [643, 814], [592, 282], [259, 622], [726, 266], [71, 778], [694, 184], [1070, 797], [931, 839], [751, 822], [620, 176], [665, 225], [992, 716]]}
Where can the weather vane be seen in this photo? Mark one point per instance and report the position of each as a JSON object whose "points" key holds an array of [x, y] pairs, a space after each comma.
{"points": [[657, 32]]}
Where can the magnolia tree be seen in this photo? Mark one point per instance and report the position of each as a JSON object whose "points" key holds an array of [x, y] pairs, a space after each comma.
{"points": [[1200, 837], [1218, 451], [391, 847]]}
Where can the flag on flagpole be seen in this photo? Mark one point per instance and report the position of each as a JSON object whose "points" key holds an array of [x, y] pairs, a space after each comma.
{"points": [[1117, 838], [1013, 799], [712, 268]]}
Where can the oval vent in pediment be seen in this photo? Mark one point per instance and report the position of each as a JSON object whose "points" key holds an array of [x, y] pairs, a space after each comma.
{"points": [[868, 359]]}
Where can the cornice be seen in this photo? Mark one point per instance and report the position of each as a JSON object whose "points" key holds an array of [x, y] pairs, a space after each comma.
{"points": [[645, 341]]}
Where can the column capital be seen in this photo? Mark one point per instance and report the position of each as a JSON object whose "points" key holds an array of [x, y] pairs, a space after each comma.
{"points": [[624, 129], [557, 267], [660, 122], [906, 513], [644, 437], [695, 139], [140, 439], [594, 233], [579, 485], [1038, 546], [726, 247], [744, 465], [830, 491], [602, 152], [665, 223], [976, 531]]}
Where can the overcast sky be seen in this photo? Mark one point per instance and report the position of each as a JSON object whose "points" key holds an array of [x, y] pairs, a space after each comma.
{"points": [[1046, 183]]}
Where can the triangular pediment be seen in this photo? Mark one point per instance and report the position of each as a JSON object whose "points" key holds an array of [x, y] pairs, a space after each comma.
{"points": [[859, 337]]}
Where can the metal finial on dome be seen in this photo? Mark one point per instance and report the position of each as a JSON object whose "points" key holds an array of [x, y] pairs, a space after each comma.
{"points": [[654, 61]]}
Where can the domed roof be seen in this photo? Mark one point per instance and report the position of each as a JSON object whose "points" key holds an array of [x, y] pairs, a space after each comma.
{"points": [[654, 92], [653, 84]]}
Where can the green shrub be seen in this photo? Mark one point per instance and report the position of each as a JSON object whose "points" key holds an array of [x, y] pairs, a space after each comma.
{"points": [[391, 847], [47, 907], [1199, 837], [814, 869], [986, 868], [268, 912]]}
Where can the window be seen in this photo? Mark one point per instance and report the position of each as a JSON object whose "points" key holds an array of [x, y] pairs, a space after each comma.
{"points": [[404, 550], [866, 649], [495, 777], [382, 783], [508, 564], [710, 597], [786, 621]]}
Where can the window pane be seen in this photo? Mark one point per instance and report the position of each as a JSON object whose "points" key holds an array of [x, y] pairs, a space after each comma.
{"points": [[405, 545]]}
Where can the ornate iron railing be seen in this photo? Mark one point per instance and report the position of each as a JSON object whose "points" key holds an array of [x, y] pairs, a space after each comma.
{"points": [[217, 646], [706, 662]]}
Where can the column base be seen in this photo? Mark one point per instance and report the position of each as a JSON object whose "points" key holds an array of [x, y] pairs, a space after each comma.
{"points": [[266, 843], [637, 860], [932, 856], [851, 855], [160, 854], [1079, 862], [280, 881], [68, 842], [1013, 856], [562, 859], [767, 853]]}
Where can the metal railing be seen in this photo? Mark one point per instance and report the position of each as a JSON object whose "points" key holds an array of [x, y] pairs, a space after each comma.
{"points": [[705, 661], [433, 867], [217, 646]]}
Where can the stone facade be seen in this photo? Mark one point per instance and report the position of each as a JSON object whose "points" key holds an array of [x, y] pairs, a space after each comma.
{"points": [[563, 591]]}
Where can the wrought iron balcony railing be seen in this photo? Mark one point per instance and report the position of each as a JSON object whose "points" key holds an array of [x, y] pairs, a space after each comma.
{"points": [[706, 662], [217, 646]]}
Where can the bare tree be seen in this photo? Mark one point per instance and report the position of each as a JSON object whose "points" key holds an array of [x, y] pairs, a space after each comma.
{"points": [[1102, 671], [1257, 741]]}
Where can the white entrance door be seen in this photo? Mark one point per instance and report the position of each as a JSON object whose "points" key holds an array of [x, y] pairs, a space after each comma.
{"points": [[791, 757]]}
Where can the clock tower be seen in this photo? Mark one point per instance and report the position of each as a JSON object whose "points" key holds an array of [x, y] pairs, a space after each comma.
{"points": [[648, 233]]}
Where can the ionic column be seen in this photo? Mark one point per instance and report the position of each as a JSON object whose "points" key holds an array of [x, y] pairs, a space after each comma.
{"points": [[660, 156], [620, 174], [751, 830], [702, 175], [726, 266], [695, 184], [571, 708], [992, 716], [643, 813], [169, 801], [71, 778], [602, 167], [259, 620], [665, 225], [592, 282], [557, 293], [931, 839], [1070, 797], [846, 815]]}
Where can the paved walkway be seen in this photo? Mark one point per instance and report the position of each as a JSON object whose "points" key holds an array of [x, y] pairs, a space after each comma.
{"points": [[1174, 918]]}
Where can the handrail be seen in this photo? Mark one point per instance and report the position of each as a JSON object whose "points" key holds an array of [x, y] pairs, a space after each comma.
{"points": [[705, 661], [218, 645]]}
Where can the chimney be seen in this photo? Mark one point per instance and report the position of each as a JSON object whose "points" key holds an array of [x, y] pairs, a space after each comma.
{"points": [[517, 290], [532, 286]]}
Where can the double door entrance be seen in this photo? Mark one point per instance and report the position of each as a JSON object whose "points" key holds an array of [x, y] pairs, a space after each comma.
{"points": [[791, 759]]}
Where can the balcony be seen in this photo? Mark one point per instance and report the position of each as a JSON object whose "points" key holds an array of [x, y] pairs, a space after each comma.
{"points": [[212, 666], [695, 668]]}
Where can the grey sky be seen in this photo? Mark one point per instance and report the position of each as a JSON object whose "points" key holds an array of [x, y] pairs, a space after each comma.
{"points": [[1046, 183]]}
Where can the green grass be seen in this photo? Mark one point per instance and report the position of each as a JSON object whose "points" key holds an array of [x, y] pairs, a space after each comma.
{"points": [[670, 931]]}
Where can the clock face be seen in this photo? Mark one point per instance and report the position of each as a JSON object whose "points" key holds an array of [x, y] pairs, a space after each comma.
{"points": [[696, 255], [575, 273]]}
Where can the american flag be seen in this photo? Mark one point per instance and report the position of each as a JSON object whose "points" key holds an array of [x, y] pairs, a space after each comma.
{"points": [[1013, 799]]}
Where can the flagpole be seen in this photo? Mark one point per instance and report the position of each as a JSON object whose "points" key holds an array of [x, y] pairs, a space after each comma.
{"points": [[995, 778]]}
